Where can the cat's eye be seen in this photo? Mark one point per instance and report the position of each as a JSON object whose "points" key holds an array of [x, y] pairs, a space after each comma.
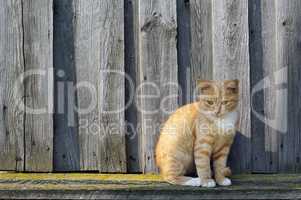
{"points": [[210, 103], [232, 89]]}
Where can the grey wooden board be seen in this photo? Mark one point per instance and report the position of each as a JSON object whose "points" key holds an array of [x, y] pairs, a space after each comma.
{"points": [[288, 32], [66, 144], [231, 61], [158, 69], [99, 47], [250, 193], [11, 91], [263, 65], [38, 51], [201, 43], [131, 60], [184, 47], [278, 186]]}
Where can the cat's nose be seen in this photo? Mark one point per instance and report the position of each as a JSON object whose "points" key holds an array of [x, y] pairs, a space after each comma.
{"points": [[218, 111]]}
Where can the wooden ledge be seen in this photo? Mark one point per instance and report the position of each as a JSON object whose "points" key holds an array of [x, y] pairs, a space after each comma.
{"points": [[128, 186]]}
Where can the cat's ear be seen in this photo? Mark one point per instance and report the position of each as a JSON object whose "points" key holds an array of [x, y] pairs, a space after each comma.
{"points": [[205, 87], [232, 86]]}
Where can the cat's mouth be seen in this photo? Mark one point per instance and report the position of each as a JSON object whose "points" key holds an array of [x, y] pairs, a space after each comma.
{"points": [[220, 115], [215, 116], [212, 116]]}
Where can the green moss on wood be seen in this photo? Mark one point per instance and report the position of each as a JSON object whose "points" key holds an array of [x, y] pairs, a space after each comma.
{"points": [[80, 176], [136, 182]]}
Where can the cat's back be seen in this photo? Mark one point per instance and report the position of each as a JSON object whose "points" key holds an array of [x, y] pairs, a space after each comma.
{"points": [[183, 118]]}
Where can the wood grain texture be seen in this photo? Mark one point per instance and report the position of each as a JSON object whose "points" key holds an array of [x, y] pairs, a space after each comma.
{"points": [[158, 68], [11, 91], [263, 65], [38, 51], [66, 144], [159, 44], [231, 61], [201, 43], [288, 30], [99, 61]]}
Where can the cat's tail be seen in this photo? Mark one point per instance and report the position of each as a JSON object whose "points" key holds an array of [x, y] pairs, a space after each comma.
{"points": [[227, 172], [183, 180]]}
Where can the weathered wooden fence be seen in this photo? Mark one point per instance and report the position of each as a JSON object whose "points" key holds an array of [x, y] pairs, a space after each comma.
{"points": [[127, 58]]}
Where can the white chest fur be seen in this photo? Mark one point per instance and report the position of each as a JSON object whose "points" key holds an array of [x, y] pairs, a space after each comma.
{"points": [[227, 122]]}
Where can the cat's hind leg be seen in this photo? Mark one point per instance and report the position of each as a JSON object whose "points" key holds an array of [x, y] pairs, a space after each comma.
{"points": [[183, 180], [173, 172]]}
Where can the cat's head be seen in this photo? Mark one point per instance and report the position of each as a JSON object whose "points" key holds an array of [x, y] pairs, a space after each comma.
{"points": [[217, 98]]}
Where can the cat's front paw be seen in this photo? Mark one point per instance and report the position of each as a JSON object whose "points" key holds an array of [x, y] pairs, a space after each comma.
{"points": [[208, 183], [225, 182]]}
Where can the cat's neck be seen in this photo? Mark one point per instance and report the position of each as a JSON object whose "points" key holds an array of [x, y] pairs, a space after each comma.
{"points": [[225, 122], [228, 121]]}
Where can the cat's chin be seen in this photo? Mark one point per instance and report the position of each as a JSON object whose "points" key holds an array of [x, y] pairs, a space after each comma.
{"points": [[211, 116]]}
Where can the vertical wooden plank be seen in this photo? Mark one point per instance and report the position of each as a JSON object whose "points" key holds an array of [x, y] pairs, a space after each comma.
{"points": [[99, 61], [231, 61], [263, 66], [131, 60], [66, 144], [38, 39], [158, 68], [201, 45], [184, 47], [288, 57], [11, 91]]}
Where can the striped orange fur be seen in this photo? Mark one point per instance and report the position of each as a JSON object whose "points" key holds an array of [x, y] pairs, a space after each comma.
{"points": [[198, 133]]}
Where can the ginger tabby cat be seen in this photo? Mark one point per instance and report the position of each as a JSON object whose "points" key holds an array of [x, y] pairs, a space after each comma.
{"points": [[198, 133]]}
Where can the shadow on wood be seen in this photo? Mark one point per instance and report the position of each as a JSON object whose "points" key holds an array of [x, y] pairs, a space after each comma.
{"points": [[66, 144]]}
